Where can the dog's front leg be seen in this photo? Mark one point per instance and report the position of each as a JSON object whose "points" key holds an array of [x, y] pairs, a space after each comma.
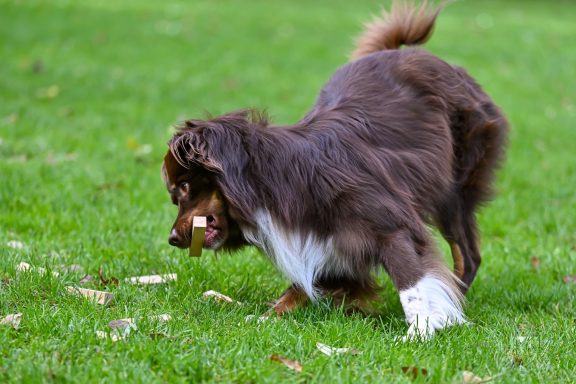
{"points": [[292, 298]]}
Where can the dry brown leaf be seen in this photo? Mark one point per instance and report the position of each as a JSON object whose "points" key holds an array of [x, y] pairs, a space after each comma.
{"points": [[161, 335], [329, 351], [569, 279], [413, 372], [48, 92], [104, 282], [13, 320], [292, 364], [535, 262]]}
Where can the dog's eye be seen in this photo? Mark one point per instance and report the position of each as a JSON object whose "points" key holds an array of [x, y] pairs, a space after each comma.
{"points": [[184, 186]]}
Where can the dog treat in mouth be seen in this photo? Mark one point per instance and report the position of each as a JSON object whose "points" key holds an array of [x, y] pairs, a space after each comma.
{"points": [[198, 231]]}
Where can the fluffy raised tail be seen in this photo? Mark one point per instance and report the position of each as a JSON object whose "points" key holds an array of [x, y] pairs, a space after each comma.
{"points": [[405, 24]]}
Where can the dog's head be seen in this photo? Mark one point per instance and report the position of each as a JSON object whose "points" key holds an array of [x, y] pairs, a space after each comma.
{"points": [[203, 172]]}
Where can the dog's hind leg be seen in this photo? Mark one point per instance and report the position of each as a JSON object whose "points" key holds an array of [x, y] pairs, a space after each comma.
{"points": [[428, 291], [459, 228], [479, 132]]}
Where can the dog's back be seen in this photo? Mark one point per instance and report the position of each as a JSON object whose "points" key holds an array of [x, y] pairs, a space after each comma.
{"points": [[417, 102]]}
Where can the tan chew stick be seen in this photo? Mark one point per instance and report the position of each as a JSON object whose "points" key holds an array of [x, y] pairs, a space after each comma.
{"points": [[198, 231]]}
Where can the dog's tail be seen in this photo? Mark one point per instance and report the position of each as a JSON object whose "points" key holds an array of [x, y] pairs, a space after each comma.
{"points": [[405, 24]]}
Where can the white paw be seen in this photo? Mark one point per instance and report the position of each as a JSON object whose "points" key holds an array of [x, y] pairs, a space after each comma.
{"points": [[430, 305]]}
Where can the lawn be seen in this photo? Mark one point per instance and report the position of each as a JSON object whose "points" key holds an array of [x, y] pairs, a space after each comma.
{"points": [[89, 92]]}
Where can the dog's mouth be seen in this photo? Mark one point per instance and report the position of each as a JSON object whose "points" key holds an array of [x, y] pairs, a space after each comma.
{"points": [[213, 234]]}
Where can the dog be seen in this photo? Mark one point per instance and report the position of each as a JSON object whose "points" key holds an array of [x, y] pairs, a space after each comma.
{"points": [[397, 140]]}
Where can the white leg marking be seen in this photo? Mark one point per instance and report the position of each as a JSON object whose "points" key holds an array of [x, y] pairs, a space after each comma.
{"points": [[430, 305], [300, 256]]}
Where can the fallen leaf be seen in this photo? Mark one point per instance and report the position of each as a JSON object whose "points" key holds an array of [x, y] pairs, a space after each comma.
{"points": [[292, 364], [48, 92], [521, 338], [414, 372], [12, 320], [87, 279], [56, 158], [517, 359], [15, 244], [535, 261], [329, 351], [122, 323], [103, 281], [140, 150], [161, 335], [219, 297], [569, 279], [38, 66]]}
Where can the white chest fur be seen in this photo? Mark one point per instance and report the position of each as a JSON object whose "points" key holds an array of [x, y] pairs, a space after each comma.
{"points": [[302, 257]]}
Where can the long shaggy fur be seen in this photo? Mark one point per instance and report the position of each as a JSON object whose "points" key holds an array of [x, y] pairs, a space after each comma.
{"points": [[397, 139]]}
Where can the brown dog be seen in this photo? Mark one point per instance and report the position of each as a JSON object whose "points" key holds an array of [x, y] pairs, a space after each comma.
{"points": [[397, 139]]}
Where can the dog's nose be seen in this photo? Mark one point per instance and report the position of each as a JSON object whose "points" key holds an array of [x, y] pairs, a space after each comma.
{"points": [[174, 239]]}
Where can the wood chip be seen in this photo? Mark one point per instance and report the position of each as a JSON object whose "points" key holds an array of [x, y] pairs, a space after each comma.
{"points": [[329, 351], [292, 364], [15, 244], [163, 318], [259, 319], [13, 320], [198, 232], [219, 297], [130, 322], [152, 279], [99, 296], [25, 267], [114, 335], [471, 378]]}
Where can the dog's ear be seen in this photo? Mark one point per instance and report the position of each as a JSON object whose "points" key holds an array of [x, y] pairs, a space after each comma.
{"points": [[217, 144]]}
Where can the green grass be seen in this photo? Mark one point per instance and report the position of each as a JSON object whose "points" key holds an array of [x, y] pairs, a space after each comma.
{"points": [[88, 93]]}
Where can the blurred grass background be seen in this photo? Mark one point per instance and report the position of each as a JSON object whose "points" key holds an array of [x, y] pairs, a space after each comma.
{"points": [[89, 92]]}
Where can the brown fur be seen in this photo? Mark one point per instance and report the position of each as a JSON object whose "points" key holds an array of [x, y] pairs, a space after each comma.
{"points": [[396, 140]]}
